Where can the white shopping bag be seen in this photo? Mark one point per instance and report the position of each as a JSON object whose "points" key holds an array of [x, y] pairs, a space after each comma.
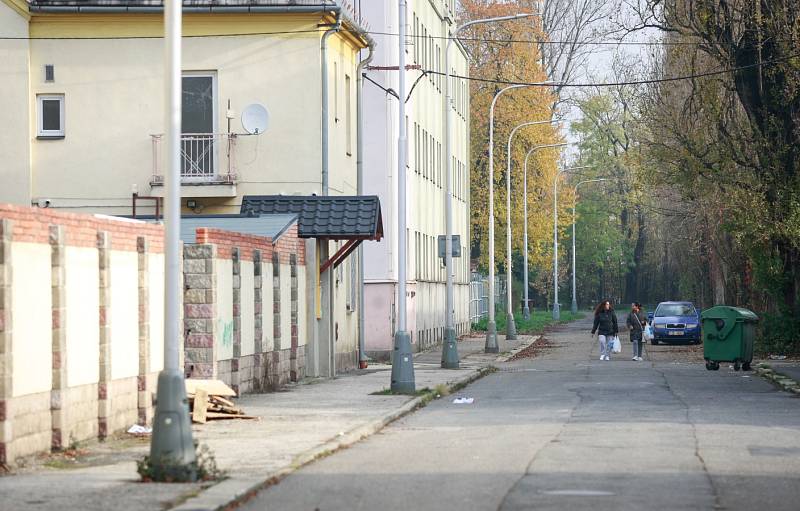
{"points": [[616, 346], [648, 333]]}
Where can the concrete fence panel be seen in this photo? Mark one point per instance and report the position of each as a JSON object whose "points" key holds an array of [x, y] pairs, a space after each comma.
{"points": [[75, 340]]}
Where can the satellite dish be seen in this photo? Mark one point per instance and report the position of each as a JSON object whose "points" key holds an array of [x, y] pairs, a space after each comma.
{"points": [[255, 119]]}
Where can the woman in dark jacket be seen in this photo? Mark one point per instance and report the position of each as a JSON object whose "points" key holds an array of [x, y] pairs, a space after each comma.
{"points": [[636, 322], [605, 324]]}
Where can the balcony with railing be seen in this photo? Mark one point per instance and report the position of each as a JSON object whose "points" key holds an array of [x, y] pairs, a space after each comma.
{"points": [[207, 164]]}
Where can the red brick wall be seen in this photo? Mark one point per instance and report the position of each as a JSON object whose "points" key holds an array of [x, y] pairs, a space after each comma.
{"points": [[225, 241], [33, 224]]}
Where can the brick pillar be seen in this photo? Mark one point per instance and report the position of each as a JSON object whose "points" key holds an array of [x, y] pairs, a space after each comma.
{"points": [[237, 317], [276, 319], [144, 403], [103, 402], [200, 310], [293, 373], [6, 358], [58, 407], [258, 333]]}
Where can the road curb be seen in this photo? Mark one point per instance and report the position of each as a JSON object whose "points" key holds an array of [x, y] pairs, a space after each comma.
{"points": [[781, 380], [229, 493]]}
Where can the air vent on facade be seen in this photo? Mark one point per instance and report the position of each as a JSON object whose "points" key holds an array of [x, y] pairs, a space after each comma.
{"points": [[49, 73]]}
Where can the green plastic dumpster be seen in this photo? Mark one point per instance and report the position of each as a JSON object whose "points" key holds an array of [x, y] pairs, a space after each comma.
{"points": [[728, 336]]}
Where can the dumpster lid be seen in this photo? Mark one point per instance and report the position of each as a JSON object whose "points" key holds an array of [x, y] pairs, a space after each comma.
{"points": [[728, 312]]}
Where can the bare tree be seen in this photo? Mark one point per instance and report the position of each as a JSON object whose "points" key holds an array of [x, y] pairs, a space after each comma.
{"points": [[573, 28]]}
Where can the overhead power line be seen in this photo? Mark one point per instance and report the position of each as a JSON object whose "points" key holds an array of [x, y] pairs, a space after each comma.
{"points": [[371, 32], [766, 63]]}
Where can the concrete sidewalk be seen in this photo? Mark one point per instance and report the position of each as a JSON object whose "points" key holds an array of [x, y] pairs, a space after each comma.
{"points": [[298, 424]]}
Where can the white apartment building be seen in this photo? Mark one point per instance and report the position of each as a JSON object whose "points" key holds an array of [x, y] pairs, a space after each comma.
{"points": [[429, 22]]}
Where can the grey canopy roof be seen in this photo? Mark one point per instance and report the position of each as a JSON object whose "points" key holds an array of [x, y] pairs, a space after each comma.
{"points": [[268, 226]]}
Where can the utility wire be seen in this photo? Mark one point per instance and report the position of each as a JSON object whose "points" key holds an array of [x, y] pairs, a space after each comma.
{"points": [[370, 32], [766, 63], [384, 89]]}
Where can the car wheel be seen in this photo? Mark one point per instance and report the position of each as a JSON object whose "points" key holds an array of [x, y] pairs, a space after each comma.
{"points": [[654, 342]]}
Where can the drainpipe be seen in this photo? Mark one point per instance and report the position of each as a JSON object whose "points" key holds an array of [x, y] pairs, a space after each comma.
{"points": [[328, 279], [362, 354], [324, 48]]}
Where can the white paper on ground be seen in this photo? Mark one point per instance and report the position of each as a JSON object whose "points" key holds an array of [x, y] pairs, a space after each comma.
{"points": [[463, 400], [140, 430]]}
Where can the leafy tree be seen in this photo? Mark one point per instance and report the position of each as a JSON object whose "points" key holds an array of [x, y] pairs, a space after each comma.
{"points": [[498, 55]]}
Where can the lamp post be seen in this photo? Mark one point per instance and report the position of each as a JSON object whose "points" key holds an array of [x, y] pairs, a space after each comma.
{"points": [[526, 311], [556, 306], [403, 359], [511, 327], [449, 348], [172, 449], [491, 328], [574, 295]]}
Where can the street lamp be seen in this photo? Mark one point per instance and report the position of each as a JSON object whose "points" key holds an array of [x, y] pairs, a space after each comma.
{"points": [[574, 295], [449, 348], [556, 306], [491, 328], [172, 451], [403, 360], [526, 311]]}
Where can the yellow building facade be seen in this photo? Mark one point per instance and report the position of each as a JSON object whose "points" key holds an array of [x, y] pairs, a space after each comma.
{"points": [[83, 109], [104, 73]]}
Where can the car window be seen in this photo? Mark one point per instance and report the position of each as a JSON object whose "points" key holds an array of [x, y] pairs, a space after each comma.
{"points": [[675, 309]]}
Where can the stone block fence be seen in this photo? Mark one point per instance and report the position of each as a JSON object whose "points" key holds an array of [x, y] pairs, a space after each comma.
{"points": [[81, 338], [81, 321], [242, 305]]}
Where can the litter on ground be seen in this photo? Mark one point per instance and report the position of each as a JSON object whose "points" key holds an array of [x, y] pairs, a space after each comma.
{"points": [[140, 430]]}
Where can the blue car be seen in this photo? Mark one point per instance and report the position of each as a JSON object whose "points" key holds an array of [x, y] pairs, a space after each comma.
{"points": [[676, 322]]}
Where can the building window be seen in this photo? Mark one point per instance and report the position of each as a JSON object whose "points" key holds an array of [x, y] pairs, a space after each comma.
{"points": [[335, 92], [51, 115], [348, 116], [416, 148], [198, 125]]}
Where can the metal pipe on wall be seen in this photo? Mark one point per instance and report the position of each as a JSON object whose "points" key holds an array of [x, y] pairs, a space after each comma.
{"points": [[362, 356]]}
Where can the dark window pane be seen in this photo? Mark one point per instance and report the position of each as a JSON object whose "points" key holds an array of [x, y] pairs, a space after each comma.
{"points": [[51, 115], [198, 105]]}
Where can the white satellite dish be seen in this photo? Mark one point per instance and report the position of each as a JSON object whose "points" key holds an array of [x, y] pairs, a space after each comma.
{"points": [[255, 119]]}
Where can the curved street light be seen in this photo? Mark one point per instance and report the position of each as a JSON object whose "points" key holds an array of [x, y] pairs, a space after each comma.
{"points": [[491, 329], [526, 311], [556, 306], [574, 307], [511, 327], [449, 348]]}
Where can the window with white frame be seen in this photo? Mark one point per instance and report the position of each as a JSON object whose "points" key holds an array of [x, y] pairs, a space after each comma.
{"points": [[348, 116], [50, 115]]}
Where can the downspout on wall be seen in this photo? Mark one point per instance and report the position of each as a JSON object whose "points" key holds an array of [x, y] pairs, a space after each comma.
{"points": [[362, 355], [325, 129], [323, 247]]}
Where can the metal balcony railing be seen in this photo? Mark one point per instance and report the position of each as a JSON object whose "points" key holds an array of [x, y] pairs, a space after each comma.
{"points": [[205, 158]]}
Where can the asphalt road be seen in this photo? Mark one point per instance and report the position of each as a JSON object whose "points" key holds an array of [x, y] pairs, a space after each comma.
{"points": [[566, 431]]}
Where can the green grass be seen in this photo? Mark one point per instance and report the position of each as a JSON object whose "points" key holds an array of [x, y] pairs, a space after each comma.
{"points": [[535, 325]]}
